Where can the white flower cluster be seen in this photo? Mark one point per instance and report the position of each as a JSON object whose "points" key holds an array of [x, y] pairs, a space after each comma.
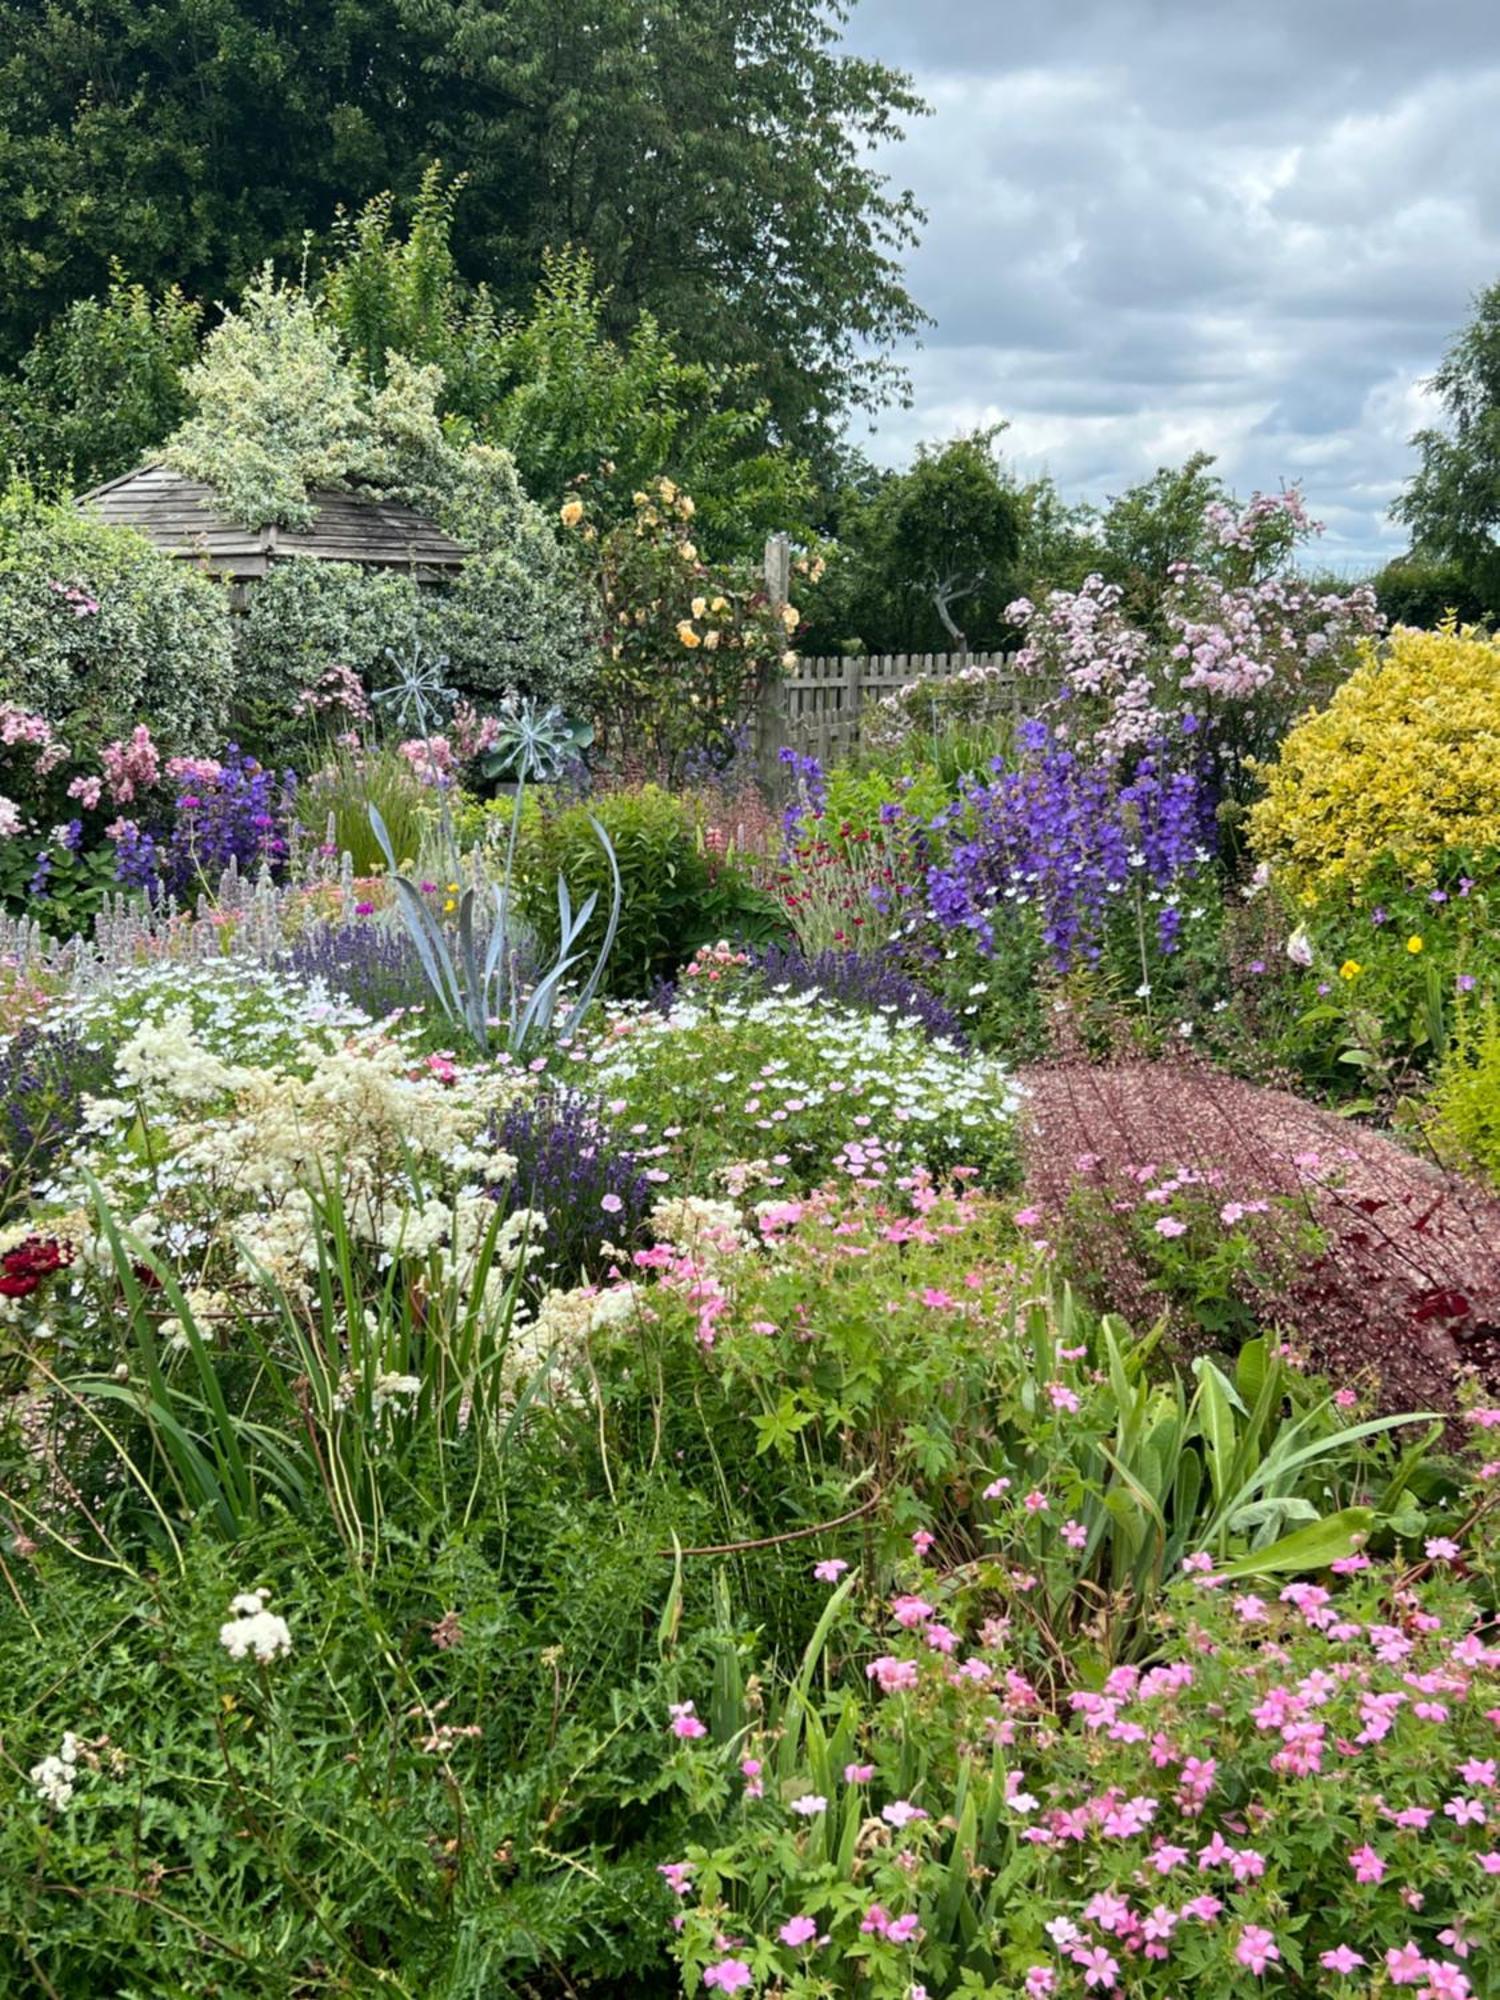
{"points": [[250, 1628], [796, 1075], [54, 1778], [235, 1165], [547, 1352]]}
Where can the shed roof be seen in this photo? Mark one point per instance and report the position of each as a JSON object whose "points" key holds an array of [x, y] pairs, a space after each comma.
{"points": [[187, 518]]}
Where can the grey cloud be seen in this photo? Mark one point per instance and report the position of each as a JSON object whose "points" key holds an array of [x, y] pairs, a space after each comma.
{"points": [[1161, 225]]}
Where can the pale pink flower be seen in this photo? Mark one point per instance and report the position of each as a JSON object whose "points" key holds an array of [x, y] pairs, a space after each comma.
{"points": [[1256, 1948]]}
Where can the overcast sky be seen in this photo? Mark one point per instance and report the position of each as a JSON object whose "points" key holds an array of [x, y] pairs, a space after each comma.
{"points": [[1159, 225]]}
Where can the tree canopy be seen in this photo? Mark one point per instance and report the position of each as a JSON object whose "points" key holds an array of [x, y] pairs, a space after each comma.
{"points": [[1452, 505], [712, 159]]}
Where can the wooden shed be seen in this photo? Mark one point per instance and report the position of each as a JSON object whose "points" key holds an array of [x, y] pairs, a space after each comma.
{"points": [[186, 518]]}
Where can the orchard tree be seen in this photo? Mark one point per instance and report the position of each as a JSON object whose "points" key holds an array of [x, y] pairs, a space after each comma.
{"points": [[928, 559]]}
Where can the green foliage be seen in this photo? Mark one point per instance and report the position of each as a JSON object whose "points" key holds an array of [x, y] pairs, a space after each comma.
{"points": [[578, 406], [193, 141], [1466, 1091], [724, 1090], [1425, 590], [686, 642], [1452, 505], [676, 896], [281, 412], [334, 802], [158, 645], [930, 558], [100, 387], [277, 413], [575, 402]]}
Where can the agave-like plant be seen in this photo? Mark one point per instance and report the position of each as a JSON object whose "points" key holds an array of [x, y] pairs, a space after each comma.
{"points": [[472, 971]]}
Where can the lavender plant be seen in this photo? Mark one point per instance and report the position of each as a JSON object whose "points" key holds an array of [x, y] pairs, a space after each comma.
{"points": [[572, 1167]]}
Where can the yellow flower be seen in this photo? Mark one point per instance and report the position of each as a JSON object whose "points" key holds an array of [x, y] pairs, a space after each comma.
{"points": [[790, 616], [666, 489], [710, 640], [686, 633], [700, 605], [571, 513], [719, 604], [639, 500], [1350, 969], [1413, 945], [686, 508], [688, 552], [789, 660], [449, 907]]}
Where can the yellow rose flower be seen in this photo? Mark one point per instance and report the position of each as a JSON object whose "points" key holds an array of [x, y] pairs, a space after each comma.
{"points": [[571, 513], [666, 489], [700, 605], [791, 617], [710, 640], [689, 552], [686, 507], [719, 604], [789, 660], [686, 633], [639, 500], [1350, 969]]}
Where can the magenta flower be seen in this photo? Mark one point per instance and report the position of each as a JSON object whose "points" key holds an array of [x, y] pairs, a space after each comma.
{"points": [[1406, 1966], [798, 1931], [893, 1676], [830, 1570], [684, 1722], [858, 1774], [901, 1812], [1367, 1864], [1168, 1225], [1098, 1968]]}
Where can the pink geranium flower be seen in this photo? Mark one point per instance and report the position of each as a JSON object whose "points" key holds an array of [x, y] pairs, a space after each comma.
{"points": [[1256, 1949]]}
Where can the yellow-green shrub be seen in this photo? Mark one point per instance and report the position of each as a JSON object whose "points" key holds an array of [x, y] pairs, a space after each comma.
{"points": [[1403, 763], [1466, 1094]]}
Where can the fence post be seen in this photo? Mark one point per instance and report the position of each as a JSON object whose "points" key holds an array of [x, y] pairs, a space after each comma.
{"points": [[771, 695]]}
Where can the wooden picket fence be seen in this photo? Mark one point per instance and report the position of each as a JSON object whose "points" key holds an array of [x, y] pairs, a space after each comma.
{"points": [[817, 709]]}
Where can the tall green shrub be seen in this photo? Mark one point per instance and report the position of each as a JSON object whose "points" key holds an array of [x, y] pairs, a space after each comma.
{"points": [[143, 636]]}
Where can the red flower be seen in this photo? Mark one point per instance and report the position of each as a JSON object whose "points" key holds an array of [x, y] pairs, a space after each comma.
{"points": [[23, 1269]]}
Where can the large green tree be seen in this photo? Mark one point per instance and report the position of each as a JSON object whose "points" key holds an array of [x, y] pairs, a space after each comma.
{"points": [[712, 156], [1452, 505], [924, 559]]}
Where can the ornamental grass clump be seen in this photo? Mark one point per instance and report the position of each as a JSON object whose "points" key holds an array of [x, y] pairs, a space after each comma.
{"points": [[1402, 766]]}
